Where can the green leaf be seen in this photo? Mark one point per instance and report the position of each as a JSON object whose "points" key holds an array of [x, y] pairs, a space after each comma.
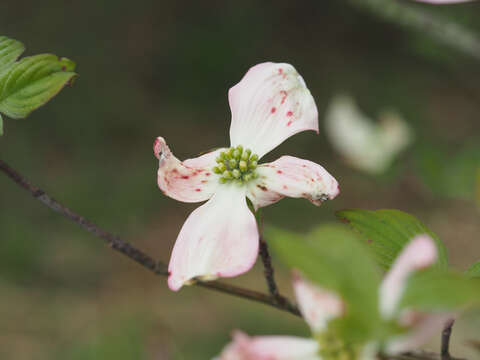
{"points": [[31, 82], [27, 84], [334, 258], [440, 290], [474, 270], [10, 50], [387, 231]]}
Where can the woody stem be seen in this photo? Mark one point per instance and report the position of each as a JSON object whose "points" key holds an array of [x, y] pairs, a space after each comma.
{"points": [[125, 248], [267, 263]]}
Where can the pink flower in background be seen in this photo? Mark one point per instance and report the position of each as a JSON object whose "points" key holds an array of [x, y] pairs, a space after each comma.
{"points": [[318, 306], [419, 254], [220, 238]]}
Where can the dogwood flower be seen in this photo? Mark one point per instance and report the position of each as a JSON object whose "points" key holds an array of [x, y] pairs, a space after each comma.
{"points": [[220, 238], [319, 306]]}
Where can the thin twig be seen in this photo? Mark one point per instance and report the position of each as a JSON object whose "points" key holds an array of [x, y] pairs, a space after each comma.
{"points": [[446, 333], [251, 295], [268, 268], [413, 17], [416, 355], [136, 255], [267, 263]]}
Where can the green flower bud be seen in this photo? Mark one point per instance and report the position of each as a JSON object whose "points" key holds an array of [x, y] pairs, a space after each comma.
{"points": [[232, 163], [247, 177], [242, 165], [237, 165]]}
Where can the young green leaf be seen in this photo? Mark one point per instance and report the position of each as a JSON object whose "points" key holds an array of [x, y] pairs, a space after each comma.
{"points": [[10, 50], [474, 270], [440, 290], [387, 231], [32, 82], [333, 258]]}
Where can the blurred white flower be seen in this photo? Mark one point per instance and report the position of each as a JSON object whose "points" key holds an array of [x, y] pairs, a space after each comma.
{"points": [[366, 145]]}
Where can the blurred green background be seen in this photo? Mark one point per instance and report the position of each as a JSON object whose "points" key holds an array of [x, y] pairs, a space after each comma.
{"points": [[150, 68]]}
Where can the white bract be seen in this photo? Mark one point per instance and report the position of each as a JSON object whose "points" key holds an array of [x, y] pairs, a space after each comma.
{"points": [[220, 238], [364, 144], [319, 306]]}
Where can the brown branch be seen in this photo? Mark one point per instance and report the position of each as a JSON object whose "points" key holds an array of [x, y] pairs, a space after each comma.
{"points": [[445, 346], [416, 355], [250, 295], [268, 268], [267, 264], [136, 255], [269, 274]]}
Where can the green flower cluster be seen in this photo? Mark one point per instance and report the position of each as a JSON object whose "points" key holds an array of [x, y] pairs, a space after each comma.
{"points": [[236, 164], [333, 348]]}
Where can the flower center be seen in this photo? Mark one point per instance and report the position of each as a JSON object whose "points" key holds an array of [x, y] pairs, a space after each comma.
{"points": [[332, 347], [236, 164]]}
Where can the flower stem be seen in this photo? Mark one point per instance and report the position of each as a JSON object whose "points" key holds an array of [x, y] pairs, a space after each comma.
{"points": [[269, 272], [268, 268], [416, 355], [446, 333], [125, 248]]}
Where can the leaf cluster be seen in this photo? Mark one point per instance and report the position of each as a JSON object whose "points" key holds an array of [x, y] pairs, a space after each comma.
{"points": [[349, 261], [30, 82]]}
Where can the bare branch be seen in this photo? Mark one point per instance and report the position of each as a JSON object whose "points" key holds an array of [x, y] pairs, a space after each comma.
{"points": [[128, 250], [417, 355], [446, 333], [250, 295], [413, 17], [267, 264]]}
